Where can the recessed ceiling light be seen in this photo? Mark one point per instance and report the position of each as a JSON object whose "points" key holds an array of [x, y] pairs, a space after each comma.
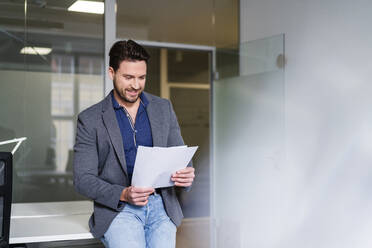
{"points": [[36, 50], [87, 7]]}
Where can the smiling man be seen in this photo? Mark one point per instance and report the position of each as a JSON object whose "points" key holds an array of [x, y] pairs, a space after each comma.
{"points": [[108, 135]]}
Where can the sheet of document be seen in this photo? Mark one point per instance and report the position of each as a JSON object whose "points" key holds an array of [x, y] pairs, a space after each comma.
{"points": [[154, 166]]}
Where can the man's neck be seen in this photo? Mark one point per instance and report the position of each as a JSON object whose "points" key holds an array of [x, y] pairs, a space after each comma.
{"points": [[130, 107]]}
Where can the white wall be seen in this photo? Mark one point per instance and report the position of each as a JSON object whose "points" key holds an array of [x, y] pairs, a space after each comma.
{"points": [[306, 183], [325, 180]]}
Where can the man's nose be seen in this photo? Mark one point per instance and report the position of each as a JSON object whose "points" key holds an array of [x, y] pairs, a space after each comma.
{"points": [[136, 84]]}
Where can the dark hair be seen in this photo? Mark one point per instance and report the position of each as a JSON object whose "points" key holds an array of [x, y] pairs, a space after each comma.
{"points": [[127, 50]]}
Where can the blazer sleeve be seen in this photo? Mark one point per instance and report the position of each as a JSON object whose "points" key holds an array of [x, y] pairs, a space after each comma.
{"points": [[175, 137], [85, 165]]}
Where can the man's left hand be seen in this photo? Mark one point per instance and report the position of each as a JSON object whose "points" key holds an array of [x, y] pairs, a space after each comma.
{"points": [[184, 177]]}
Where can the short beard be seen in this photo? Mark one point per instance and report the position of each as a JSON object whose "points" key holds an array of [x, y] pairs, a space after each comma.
{"points": [[123, 98]]}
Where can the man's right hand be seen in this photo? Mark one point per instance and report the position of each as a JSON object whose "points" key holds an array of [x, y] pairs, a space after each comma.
{"points": [[136, 196]]}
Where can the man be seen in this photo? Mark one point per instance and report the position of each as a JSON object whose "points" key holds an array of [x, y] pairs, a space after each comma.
{"points": [[107, 138]]}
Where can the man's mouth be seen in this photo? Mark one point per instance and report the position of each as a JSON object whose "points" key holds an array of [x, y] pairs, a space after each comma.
{"points": [[132, 93]]}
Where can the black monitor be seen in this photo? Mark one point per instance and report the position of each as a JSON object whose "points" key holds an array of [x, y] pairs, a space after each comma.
{"points": [[6, 163]]}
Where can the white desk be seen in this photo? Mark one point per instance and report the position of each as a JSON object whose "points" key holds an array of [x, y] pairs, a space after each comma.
{"points": [[47, 222]]}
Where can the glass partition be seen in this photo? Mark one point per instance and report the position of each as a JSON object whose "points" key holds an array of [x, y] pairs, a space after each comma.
{"points": [[51, 68], [248, 143]]}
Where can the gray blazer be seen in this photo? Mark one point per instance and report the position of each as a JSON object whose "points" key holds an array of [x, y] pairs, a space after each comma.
{"points": [[100, 170]]}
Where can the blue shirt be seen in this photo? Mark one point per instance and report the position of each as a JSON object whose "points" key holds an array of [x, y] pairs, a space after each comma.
{"points": [[140, 136]]}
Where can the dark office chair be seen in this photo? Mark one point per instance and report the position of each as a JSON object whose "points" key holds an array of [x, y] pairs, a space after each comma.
{"points": [[6, 161]]}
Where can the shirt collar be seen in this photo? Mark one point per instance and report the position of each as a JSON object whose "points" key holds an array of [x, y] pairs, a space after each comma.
{"points": [[144, 100], [116, 105]]}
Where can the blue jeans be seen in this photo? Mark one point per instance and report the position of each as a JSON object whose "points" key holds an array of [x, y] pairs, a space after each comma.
{"points": [[141, 227]]}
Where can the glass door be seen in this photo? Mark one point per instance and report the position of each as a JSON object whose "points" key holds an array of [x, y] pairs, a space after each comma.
{"points": [[248, 144]]}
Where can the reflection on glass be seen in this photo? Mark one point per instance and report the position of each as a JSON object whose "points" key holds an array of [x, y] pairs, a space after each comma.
{"points": [[42, 93], [62, 86], [90, 90], [90, 80], [64, 142]]}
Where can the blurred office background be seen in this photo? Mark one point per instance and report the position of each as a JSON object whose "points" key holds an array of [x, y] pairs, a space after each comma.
{"points": [[275, 94], [52, 66]]}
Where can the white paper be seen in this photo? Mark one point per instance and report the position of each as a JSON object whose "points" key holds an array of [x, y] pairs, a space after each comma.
{"points": [[154, 166]]}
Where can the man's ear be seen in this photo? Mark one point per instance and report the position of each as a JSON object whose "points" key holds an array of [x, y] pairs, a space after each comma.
{"points": [[111, 72]]}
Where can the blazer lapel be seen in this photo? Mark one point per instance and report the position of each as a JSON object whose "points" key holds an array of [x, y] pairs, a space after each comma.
{"points": [[111, 124], [156, 123]]}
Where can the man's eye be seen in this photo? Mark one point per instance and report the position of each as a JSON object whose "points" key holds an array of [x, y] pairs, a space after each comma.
{"points": [[127, 77]]}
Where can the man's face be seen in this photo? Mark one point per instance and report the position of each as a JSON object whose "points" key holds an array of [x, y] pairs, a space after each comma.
{"points": [[129, 80]]}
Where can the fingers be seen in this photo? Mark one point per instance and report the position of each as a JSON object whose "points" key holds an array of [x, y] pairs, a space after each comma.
{"points": [[184, 177], [182, 184], [142, 203], [185, 173], [138, 196], [183, 180], [186, 170], [139, 201], [142, 190]]}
